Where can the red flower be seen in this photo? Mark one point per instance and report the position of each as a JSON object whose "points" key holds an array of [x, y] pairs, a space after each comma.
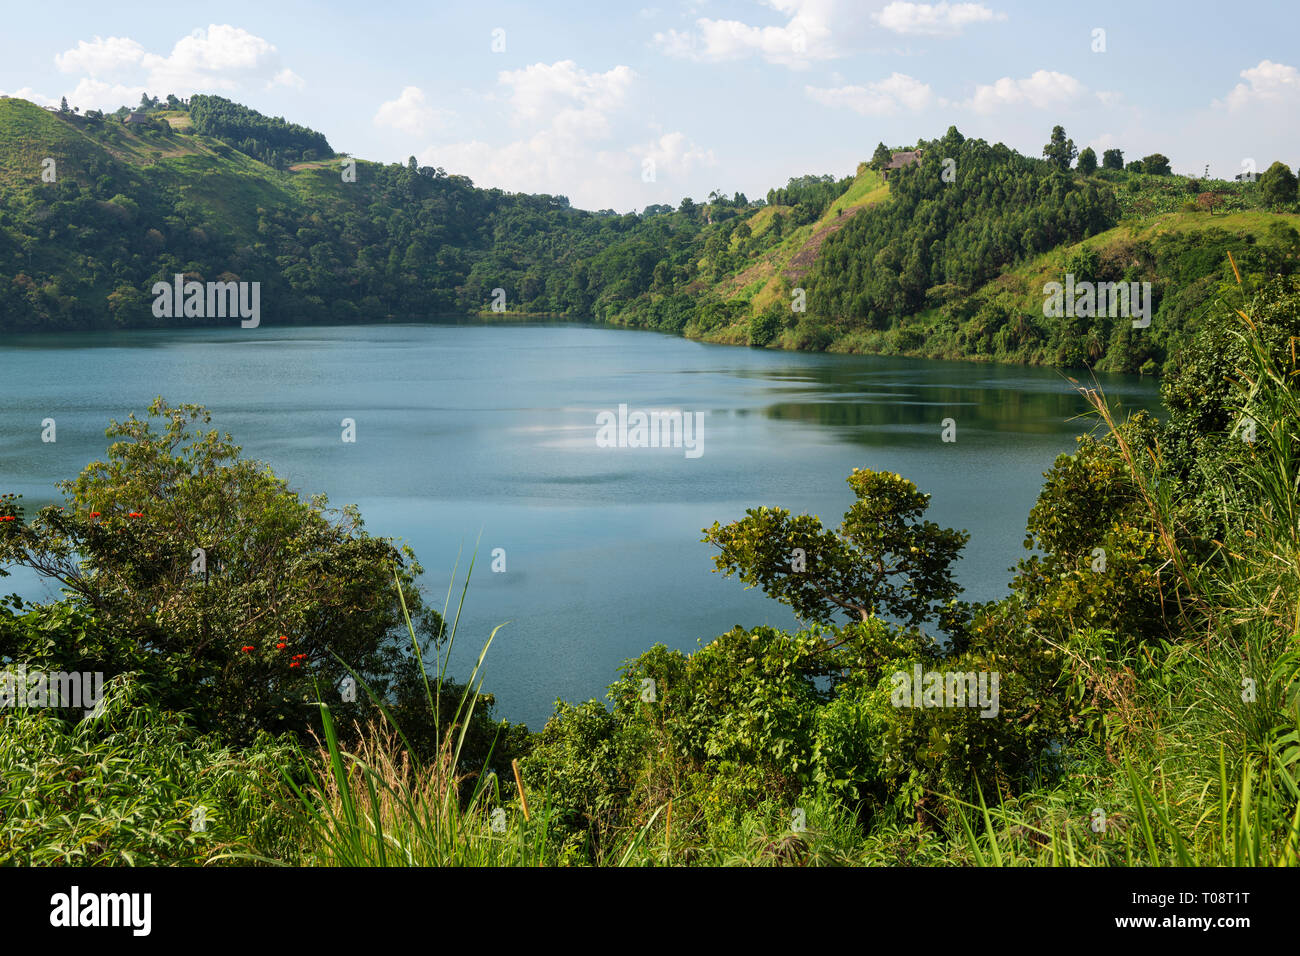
{"points": [[94, 514], [280, 647], [7, 518], [135, 514], [247, 648], [295, 664]]}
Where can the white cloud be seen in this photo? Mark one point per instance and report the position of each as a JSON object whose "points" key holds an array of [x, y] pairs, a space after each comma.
{"points": [[1268, 82], [27, 93], [565, 115], [673, 153], [934, 19], [115, 71], [220, 57], [577, 104], [287, 77], [804, 38], [883, 98], [92, 94], [411, 113], [549, 161], [1043, 89], [101, 57]]}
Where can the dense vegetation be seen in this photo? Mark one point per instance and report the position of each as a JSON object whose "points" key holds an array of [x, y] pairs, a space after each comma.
{"points": [[951, 237], [1147, 707], [948, 259], [272, 672], [270, 139]]}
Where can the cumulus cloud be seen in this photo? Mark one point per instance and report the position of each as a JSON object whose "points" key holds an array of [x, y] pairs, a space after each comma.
{"points": [[566, 117], [27, 93], [549, 161], [805, 37], [934, 19], [220, 57], [884, 98], [411, 113], [1043, 89], [114, 71], [673, 153], [1268, 82], [101, 57], [575, 103]]}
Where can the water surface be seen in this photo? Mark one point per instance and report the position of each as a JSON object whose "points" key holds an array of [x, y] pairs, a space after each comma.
{"points": [[491, 429]]}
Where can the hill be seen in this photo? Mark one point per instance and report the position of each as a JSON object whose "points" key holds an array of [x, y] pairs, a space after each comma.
{"points": [[948, 259]]}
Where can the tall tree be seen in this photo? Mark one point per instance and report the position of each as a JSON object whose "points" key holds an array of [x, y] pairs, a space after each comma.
{"points": [[1087, 161], [883, 559], [1278, 185], [881, 157], [1060, 151], [1157, 164], [1112, 159]]}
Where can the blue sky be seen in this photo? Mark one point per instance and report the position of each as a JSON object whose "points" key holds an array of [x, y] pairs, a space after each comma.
{"points": [[622, 105]]}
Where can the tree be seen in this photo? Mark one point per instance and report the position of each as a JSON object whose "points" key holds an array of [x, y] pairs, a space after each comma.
{"points": [[1137, 166], [881, 157], [1112, 159], [1157, 164], [765, 326], [219, 585], [1060, 151], [882, 559], [1278, 185], [63, 105], [1087, 161]]}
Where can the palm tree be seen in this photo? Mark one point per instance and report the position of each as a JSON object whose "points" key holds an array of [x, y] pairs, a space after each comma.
{"points": [[1094, 346]]}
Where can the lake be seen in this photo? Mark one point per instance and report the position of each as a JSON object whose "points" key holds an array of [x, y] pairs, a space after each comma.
{"points": [[464, 430]]}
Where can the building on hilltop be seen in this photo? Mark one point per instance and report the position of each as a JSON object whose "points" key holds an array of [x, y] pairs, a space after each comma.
{"points": [[908, 157]]}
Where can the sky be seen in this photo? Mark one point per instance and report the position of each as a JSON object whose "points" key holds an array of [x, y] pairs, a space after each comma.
{"points": [[621, 105]]}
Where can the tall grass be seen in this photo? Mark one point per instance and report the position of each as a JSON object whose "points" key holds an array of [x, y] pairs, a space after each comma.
{"points": [[376, 806], [1210, 777]]}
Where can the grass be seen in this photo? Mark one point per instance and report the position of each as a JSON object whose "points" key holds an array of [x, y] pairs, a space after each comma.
{"points": [[1209, 775]]}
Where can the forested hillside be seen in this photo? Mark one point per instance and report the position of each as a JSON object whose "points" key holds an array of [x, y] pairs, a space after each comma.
{"points": [[946, 259], [271, 140]]}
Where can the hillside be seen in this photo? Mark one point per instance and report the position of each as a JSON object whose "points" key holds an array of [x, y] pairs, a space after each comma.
{"points": [[928, 264], [133, 205]]}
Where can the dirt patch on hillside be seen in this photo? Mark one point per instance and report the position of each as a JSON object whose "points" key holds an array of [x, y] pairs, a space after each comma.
{"points": [[803, 260], [764, 268]]}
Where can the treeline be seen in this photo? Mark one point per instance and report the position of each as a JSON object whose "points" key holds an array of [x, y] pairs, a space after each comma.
{"points": [[911, 275], [273, 140], [812, 195]]}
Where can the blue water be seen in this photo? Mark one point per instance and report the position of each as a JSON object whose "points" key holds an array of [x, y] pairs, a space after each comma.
{"points": [[468, 430]]}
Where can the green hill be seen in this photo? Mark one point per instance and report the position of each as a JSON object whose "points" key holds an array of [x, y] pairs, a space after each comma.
{"points": [[943, 260]]}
